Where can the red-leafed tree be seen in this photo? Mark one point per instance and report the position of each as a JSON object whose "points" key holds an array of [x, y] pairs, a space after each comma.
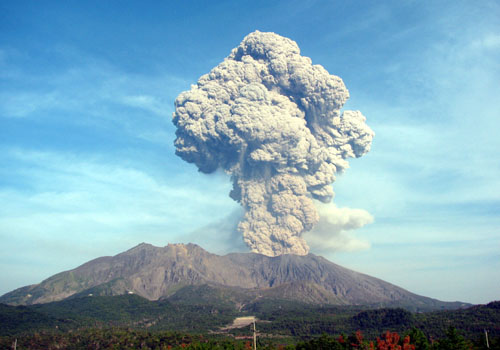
{"points": [[391, 340]]}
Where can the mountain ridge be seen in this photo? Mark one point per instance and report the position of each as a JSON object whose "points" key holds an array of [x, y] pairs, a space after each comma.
{"points": [[158, 272]]}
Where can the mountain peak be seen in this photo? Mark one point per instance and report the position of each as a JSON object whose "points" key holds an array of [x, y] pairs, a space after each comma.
{"points": [[141, 246]]}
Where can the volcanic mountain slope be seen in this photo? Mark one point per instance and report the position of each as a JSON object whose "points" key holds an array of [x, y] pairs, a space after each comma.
{"points": [[157, 273]]}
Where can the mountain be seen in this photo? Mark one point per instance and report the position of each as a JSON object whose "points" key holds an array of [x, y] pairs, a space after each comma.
{"points": [[161, 272]]}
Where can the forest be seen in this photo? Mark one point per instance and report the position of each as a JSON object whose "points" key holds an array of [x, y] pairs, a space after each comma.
{"points": [[115, 338], [132, 322]]}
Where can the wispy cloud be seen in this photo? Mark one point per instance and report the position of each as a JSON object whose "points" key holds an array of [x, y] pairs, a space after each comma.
{"points": [[149, 103], [91, 91], [90, 202], [22, 104], [487, 42]]}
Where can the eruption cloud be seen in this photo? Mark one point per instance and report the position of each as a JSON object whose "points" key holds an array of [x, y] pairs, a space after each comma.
{"points": [[271, 120]]}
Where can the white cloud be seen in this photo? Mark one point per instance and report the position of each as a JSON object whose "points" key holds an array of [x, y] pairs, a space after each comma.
{"points": [[332, 231]]}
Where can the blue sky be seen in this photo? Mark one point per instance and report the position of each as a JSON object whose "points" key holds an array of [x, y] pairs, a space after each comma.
{"points": [[87, 163]]}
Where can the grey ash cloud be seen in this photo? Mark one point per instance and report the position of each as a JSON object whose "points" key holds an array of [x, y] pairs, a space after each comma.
{"points": [[271, 120]]}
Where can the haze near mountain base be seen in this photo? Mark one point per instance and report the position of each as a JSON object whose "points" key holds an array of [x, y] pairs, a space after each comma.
{"points": [[271, 120]]}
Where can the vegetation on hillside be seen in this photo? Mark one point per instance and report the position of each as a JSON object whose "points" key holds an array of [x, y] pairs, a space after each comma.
{"points": [[130, 321]]}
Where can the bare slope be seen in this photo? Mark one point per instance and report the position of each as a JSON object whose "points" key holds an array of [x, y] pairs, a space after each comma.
{"points": [[155, 273]]}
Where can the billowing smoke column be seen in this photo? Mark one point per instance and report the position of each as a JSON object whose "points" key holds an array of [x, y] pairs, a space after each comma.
{"points": [[271, 120]]}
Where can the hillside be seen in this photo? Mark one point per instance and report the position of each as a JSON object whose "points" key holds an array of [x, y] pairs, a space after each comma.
{"points": [[203, 309]]}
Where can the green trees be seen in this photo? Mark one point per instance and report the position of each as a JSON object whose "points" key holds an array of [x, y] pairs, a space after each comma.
{"points": [[453, 341], [419, 339], [115, 338], [324, 342]]}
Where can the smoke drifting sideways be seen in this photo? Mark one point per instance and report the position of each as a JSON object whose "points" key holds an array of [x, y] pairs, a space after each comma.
{"points": [[271, 120], [333, 231]]}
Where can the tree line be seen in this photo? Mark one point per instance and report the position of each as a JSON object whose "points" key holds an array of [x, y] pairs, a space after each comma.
{"points": [[113, 338]]}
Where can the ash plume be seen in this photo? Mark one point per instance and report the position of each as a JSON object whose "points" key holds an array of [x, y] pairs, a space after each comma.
{"points": [[271, 120]]}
